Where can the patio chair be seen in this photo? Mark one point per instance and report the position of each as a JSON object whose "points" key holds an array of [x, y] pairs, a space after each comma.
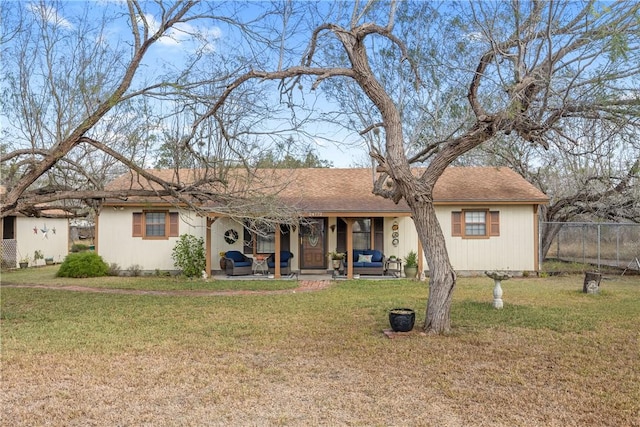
{"points": [[285, 262], [238, 264]]}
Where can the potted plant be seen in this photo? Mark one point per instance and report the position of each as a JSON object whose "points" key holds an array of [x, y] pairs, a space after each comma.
{"points": [[37, 255], [223, 263], [402, 319], [411, 265], [336, 258], [24, 262]]}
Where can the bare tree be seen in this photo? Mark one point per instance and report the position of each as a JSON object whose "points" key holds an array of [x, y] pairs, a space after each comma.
{"points": [[89, 94], [598, 178], [550, 63]]}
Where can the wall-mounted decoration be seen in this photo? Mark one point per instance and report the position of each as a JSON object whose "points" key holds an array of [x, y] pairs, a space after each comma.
{"points": [[395, 234], [231, 236]]}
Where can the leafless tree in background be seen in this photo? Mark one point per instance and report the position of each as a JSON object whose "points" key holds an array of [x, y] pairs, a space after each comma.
{"points": [[528, 69]]}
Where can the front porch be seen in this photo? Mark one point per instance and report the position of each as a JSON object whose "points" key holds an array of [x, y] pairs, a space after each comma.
{"points": [[308, 246], [219, 275]]}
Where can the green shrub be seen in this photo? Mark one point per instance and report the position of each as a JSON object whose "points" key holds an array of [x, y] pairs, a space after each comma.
{"points": [[83, 264], [79, 247], [189, 255]]}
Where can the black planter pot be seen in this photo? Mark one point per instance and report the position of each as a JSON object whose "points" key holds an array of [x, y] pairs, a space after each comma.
{"points": [[402, 319]]}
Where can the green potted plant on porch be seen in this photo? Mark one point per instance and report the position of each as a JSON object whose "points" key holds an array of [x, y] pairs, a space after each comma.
{"points": [[411, 265], [336, 258]]}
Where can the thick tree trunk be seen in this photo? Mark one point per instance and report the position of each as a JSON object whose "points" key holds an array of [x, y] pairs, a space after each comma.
{"points": [[442, 277], [548, 232]]}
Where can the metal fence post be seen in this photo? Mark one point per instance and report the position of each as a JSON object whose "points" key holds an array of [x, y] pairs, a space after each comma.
{"points": [[599, 236]]}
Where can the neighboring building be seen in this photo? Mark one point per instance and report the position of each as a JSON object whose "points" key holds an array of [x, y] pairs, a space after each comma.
{"points": [[489, 217], [23, 236]]}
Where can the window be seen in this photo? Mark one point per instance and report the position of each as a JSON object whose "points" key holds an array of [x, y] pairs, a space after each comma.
{"points": [[362, 234], [367, 233], [264, 242], [475, 223], [155, 224]]}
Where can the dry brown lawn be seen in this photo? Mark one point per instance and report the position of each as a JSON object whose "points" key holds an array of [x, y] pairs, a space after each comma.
{"points": [[552, 357]]}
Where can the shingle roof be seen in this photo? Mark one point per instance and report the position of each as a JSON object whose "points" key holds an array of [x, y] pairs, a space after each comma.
{"points": [[350, 190]]}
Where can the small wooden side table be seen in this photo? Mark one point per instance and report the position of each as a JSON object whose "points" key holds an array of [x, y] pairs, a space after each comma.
{"points": [[396, 271]]}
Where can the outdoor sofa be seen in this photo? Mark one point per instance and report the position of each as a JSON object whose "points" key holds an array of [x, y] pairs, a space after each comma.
{"points": [[367, 262]]}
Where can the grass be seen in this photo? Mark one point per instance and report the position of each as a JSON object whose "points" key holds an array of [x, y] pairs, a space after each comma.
{"points": [[552, 356], [47, 276]]}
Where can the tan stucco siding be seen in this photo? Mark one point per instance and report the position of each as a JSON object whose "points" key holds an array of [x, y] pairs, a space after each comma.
{"points": [[116, 244], [513, 250]]}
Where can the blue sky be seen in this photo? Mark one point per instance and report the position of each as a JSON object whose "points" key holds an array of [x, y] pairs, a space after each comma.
{"points": [[172, 51]]}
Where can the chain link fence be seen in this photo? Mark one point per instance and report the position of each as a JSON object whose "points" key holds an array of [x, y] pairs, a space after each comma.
{"points": [[612, 245]]}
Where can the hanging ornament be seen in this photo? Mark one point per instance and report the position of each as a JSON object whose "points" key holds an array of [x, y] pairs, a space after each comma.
{"points": [[230, 236]]}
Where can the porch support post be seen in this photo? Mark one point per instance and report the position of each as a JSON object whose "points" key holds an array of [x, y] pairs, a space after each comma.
{"points": [[349, 222], [96, 234], [277, 254], [207, 239], [536, 239]]}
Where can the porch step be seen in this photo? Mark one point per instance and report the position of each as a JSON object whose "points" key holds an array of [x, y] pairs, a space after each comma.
{"points": [[319, 271]]}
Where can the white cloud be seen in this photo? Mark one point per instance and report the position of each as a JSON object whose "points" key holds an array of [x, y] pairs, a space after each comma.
{"points": [[182, 33], [49, 15], [475, 36]]}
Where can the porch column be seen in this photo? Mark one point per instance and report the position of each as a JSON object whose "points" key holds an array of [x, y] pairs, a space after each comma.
{"points": [[277, 254], [96, 233], [349, 222], [536, 239], [207, 238]]}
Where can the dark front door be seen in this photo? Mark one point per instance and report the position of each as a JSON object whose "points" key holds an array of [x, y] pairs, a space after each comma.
{"points": [[313, 253]]}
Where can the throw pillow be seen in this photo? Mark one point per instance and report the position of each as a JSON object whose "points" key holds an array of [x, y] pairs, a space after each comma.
{"points": [[364, 258]]}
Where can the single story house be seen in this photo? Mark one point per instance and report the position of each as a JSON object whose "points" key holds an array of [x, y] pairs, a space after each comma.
{"points": [[489, 216]]}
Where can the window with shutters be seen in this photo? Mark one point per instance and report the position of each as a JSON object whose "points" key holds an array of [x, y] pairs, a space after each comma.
{"points": [[474, 224], [156, 224]]}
